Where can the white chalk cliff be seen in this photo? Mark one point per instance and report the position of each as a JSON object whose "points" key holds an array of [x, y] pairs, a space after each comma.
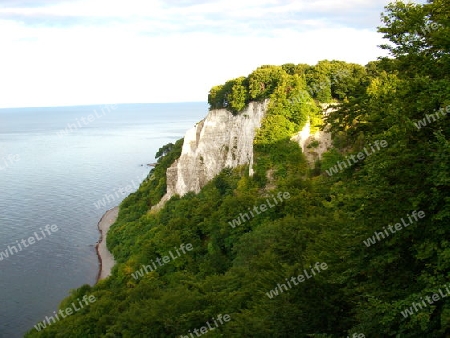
{"points": [[220, 140], [224, 140], [313, 145]]}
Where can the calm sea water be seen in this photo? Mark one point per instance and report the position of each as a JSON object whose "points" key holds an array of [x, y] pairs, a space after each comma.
{"points": [[47, 178]]}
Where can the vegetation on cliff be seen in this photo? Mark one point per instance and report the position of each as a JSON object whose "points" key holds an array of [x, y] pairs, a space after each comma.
{"points": [[233, 268]]}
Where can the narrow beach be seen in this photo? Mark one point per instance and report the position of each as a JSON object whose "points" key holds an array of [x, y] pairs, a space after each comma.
{"points": [[105, 258]]}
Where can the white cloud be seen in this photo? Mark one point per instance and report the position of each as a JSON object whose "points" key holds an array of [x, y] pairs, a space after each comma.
{"points": [[91, 8], [154, 51]]}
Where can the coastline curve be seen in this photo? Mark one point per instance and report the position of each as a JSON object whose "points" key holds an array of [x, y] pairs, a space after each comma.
{"points": [[105, 258]]}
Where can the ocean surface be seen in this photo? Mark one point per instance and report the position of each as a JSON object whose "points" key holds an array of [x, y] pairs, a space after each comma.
{"points": [[56, 164]]}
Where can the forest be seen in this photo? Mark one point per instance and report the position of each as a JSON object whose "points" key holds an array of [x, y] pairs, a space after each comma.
{"points": [[310, 251]]}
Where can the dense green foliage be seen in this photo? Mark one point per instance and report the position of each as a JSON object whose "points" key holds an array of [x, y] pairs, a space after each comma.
{"points": [[325, 82], [233, 95], [294, 93], [326, 219]]}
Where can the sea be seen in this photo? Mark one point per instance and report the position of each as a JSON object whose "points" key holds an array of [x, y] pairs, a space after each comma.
{"points": [[56, 164]]}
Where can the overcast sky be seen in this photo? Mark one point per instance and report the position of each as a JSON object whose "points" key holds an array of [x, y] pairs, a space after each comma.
{"points": [[128, 51]]}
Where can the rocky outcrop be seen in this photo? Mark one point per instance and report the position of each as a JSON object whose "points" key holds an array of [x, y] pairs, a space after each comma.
{"points": [[220, 140], [314, 145], [225, 140]]}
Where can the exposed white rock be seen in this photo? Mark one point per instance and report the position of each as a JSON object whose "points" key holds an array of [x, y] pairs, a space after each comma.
{"points": [[327, 108], [314, 145], [220, 140], [223, 140]]}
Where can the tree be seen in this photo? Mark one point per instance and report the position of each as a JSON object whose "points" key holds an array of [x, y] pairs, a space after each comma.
{"points": [[164, 150]]}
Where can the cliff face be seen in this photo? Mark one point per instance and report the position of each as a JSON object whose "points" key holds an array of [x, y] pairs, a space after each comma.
{"points": [[223, 140], [314, 145], [220, 140]]}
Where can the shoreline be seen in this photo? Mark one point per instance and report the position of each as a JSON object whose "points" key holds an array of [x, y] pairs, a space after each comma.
{"points": [[105, 258]]}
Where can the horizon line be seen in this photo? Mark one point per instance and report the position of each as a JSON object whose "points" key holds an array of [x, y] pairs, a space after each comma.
{"points": [[96, 104]]}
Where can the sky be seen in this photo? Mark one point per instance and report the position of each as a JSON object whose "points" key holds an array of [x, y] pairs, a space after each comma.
{"points": [[60, 53]]}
